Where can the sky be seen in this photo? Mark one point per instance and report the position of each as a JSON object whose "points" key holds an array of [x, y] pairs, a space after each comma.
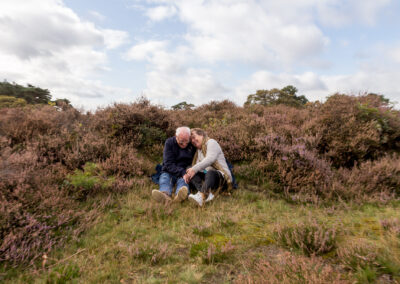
{"points": [[98, 52]]}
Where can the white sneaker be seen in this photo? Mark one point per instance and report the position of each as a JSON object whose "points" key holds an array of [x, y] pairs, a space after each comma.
{"points": [[210, 197], [182, 194], [197, 198]]}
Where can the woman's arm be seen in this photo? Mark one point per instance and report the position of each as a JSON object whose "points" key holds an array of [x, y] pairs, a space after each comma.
{"points": [[213, 150]]}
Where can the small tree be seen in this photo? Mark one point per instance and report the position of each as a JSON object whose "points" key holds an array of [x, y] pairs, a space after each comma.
{"points": [[285, 96], [31, 94], [182, 106]]}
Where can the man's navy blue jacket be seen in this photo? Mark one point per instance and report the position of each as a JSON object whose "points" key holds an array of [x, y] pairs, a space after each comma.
{"points": [[176, 159]]}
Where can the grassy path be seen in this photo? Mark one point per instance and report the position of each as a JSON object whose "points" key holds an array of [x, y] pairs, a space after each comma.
{"points": [[231, 239]]}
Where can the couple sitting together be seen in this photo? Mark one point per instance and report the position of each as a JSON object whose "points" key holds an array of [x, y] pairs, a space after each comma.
{"points": [[195, 164]]}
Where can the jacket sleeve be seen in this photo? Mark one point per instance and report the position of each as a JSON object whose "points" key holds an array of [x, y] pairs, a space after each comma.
{"points": [[213, 150], [169, 160]]}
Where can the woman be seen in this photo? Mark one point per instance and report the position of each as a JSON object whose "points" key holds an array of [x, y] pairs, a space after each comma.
{"points": [[209, 170]]}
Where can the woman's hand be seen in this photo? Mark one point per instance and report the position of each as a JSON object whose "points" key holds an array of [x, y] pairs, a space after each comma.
{"points": [[186, 178], [190, 172]]}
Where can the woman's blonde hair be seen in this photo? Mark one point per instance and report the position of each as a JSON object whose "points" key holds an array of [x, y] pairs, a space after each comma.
{"points": [[199, 131]]}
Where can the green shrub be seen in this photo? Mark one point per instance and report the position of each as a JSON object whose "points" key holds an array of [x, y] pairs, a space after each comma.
{"points": [[88, 181], [7, 101]]}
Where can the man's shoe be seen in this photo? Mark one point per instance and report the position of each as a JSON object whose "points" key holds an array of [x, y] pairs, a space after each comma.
{"points": [[197, 199], [160, 196], [182, 194], [210, 197]]}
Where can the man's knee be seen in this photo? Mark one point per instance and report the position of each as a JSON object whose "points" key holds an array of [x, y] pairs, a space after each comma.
{"points": [[165, 177]]}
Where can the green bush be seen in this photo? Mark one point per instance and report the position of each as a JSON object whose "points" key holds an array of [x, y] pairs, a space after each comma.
{"points": [[7, 101]]}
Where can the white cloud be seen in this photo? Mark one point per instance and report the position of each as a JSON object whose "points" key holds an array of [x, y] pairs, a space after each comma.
{"points": [[277, 37], [318, 87], [307, 83], [171, 79], [247, 31], [113, 38], [339, 13], [160, 13], [196, 86], [385, 83], [44, 43], [96, 15], [145, 50], [394, 54]]}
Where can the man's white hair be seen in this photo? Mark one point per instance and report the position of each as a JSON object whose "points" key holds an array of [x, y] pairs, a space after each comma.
{"points": [[182, 130]]}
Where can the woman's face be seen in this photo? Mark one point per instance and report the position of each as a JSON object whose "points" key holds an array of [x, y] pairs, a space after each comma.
{"points": [[196, 140]]}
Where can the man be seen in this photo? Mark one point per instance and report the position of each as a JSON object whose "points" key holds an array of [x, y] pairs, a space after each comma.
{"points": [[177, 156]]}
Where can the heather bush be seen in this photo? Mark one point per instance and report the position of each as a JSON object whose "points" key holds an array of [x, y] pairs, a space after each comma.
{"points": [[358, 254], [33, 208], [20, 125], [311, 237], [295, 170], [289, 268], [355, 128], [125, 161], [370, 181], [391, 225], [262, 172], [213, 251], [368, 260], [140, 124], [235, 140]]}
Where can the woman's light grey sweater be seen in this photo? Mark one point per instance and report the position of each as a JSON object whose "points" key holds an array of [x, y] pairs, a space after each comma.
{"points": [[214, 153]]}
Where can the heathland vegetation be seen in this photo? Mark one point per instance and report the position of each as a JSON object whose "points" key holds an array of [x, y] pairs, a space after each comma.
{"points": [[318, 197]]}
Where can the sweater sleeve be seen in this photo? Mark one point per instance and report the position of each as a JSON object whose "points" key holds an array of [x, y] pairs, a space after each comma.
{"points": [[213, 150], [169, 160]]}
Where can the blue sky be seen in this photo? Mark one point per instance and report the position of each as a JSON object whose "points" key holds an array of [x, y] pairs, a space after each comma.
{"points": [[96, 52]]}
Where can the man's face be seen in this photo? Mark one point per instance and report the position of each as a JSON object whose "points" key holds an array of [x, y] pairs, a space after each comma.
{"points": [[183, 140]]}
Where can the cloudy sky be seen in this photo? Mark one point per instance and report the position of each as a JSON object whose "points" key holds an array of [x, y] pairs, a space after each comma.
{"points": [[96, 52]]}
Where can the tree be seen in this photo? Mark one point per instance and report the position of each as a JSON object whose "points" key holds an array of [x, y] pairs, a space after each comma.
{"points": [[31, 94], [286, 96], [182, 106]]}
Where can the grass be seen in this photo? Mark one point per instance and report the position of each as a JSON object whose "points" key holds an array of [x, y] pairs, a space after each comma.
{"points": [[231, 239]]}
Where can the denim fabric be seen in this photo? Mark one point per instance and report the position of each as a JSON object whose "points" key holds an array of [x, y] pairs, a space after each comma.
{"points": [[167, 182], [156, 177]]}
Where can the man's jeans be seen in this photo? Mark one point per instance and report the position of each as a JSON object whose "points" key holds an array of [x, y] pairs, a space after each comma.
{"points": [[167, 182]]}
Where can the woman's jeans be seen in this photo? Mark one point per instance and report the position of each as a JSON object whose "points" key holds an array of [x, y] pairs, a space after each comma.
{"points": [[168, 181], [204, 182]]}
